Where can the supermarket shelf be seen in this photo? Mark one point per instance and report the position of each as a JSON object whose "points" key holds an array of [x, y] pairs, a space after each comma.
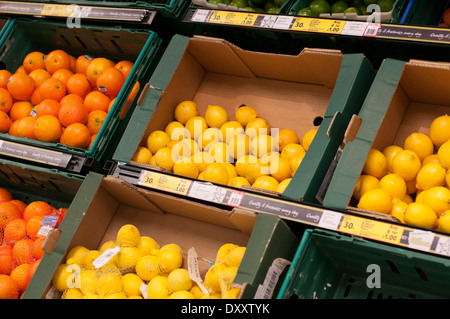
{"points": [[367, 227]]}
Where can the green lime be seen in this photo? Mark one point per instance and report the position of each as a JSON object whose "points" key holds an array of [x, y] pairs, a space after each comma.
{"points": [[273, 10], [352, 10], [279, 3], [386, 5], [305, 12], [249, 9], [239, 3], [258, 9], [339, 6], [320, 6]]}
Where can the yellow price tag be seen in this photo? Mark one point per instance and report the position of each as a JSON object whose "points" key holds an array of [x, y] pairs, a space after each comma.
{"points": [[165, 182], [58, 10], [234, 17], [318, 25]]}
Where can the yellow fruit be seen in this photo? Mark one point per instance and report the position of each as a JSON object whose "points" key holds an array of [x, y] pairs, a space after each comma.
{"points": [[444, 154], [280, 168], [210, 136], [131, 284], [235, 256], [72, 293], [231, 171], [394, 184], [233, 293], [62, 277], [142, 155], [267, 183], [308, 138], [398, 209], [163, 158], [153, 161], [212, 276], [88, 282], [146, 245], [185, 167], [376, 164], [364, 184], [438, 199], [90, 295], [109, 283], [420, 215], [419, 143], [169, 260], [239, 145], [292, 149], [447, 178], [197, 292], [295, 162], [226, 278], [216, 173], [255, 170], [285, 137], [157, 288], [229, 129], [196, 126], [408, 199], [242, 162], [283, 185], [258, 126], [430, 175], [261, 145], [245, 114], [107, 245], [185, 110], [238, 182], [116, 295], [172, 246], [223, 252], [219, 152], [181, 294], [376, 200], [128, 236], [444, 222], [390, 151], [75, 253], [135, 297], [420, 195], [184, 148], [215, 116], [202, 160], [157, 140], [127, 257], [433, 158], [176, 131], [147, 267], [88, 258], [179, 279], [406, 164], [440, 130]]}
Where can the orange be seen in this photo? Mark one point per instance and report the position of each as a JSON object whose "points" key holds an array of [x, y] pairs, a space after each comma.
{"points": [[81, 63], [38, 252], [33, 267], [9, 289], [63, 75], [446, 16], [25, 127], [57, 59], [33, 225], [39, 76], [93, 137], [6, 259], [47, 128], [73, 61], [8, 213], [20, 110], [5, 122], [111, 104], [286, 136], [96, 100], [4, 77], [71, 97], [5, 195], [21, 275], [14, 231], [125, 67], [110, 81], [73, 112], [48, 107], [6, 100], [79, 84], [20, 86], [33, 61], [76, 135], [23, 251], [95, 121], [96, 67], [52, 89], [37, 208], [129, 101], [20, 204], [35, 98]]}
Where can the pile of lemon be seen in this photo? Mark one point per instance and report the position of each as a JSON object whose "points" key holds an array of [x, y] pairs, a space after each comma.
{"points": [[410, 182], [245, 151]]}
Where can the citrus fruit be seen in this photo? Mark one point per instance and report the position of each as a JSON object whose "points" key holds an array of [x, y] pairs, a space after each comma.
{"points": [[147, 267], [110, 81], [6, 259], [394, 184], [245, 114], [216, 173], [398, 209], [220, 153], [20, 86], [108, 283], [157, 288], [419, 143], [257, 126], [52, 89], [255, 170], [229, 129], [88, 258], [146, 245], [283, 185], [242, 162], [339, 6], [444, 222], [9, 289], [440, 130], [216, 116], [231, 170], [131, 284], [163, 158], [157, 140], [72, 293], [235, 256], [168, 260], [212, 276], [319, 6], [233, 293], [437, 198], [280, 168], [444, 154], [176, 131], [430, 175], [181, 294], [364, 184], [96, 67], [286, 136], [390, 151], [21, 276], [266, 182], [62, 277], [57, 59], [8, 212], [295, 162], [376, 164], [223, 252], [185, 110], [406, 164], [291, 149], [202, 160], [226, 278], [14, 231], [239, 145], [142, 155], [20, 110], [308, 138], [185, 167], [260, 145], [178, 279], [420, 215], [127, 257], [238, 182], [74, 253], [128, 236], [196, 126], [376, 200], [5, 122]]}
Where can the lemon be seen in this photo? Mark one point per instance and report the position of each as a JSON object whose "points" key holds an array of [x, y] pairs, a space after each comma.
{"points": [[109, 283], [257, 126], [172, 246], [179, 279], [185, 110], [283, 185], [226, 278], [72, 293], [376, 164], [116, 295], [245, 114], [280, 168], [147, 267], [202, 160], [216, 173], [444, 222], [376, 200], [433, 158], [261, 145], [215, 116], [233, 293], [239, 145], [184, 148], [229, 129], [420, 215], [131, 284], [74, 253], [285, 137], [437, 198], [181, 294], [292, 149], [88, 282], [219, 152], [419, 143], [197, 292], [364, 184], [142, 155], [440, 130], [242, 162], [157, 140], [411, 186], [212, 276], [176, 131], [169, 260], [308, 138], [295, 162], [390, 151], [231, 171], [196, 126], [430, 175], [398, 209], [408, 199], [62, 276], [185, 167], [163, 158], [394, 184], [127, 257], [255, 170], [235, 256], [210, 136], [135, 297], [91, 295], [266, 182], [406, 164], [128, 236], [146, 245], [447, 178], [223, 252], [152, 161], [88, 258], [444, 154], [238, 182], [157, 288], [420, 195], [107, 245]]}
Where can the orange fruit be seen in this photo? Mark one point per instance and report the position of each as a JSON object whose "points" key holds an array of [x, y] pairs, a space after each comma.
{"points": [[71, 97], [14, 231], [20, 204], [6, 259], [79, 84], [4, 77], [33, 267], [76, 135], [9, 289], [95, 120], [20, 86], [5, 195], [23, 251], [6, 100], [47, 128], [5, 122], [130, 99], [81, 63], [52, 89], [96, 67], [20, 69], [25, 127], [111, 104], [48, 107], [73, 61], [63, 75], [125, 67], [73, 112], [35, 98], [8, 213], [93, 137], [21, 275], [33, 61], [57, 59], [20, 110], [446, 16], [110, 81], [39, 76], [38, 252], [96, 100], [37, 208], [33, 225]]}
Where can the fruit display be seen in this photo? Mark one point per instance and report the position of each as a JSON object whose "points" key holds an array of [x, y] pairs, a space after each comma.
{"points": [[410, 182], [21, 238], [55, 97], [135, 266], [359, 7], [269, 6], [210, 147]]}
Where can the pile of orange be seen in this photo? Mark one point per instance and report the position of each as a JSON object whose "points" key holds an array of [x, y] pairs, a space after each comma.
{"points": [[59, 98], [20, 241]]}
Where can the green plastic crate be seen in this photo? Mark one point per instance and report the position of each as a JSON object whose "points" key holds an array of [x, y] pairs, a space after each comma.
{"points": [[427, 13], [330, 265], [116, 43]]}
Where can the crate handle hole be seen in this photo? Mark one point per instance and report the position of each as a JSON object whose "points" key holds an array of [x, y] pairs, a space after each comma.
{"points": [[421, 273], [393, 267], [347, 290], [317, 120]]}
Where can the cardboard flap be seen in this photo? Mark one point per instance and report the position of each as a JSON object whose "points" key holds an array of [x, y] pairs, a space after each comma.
{"points": [[243, 219]]}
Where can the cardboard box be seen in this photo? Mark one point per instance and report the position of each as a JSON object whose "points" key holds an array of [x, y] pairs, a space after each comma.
{"points": [[289, 91], [405, 97], [104, 204]]}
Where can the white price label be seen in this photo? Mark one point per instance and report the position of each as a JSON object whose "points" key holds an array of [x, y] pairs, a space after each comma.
{"points": [[200, 15], [330, 220], [105, 256]]}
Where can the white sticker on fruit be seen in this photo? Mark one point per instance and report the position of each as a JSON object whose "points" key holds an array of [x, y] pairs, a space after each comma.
{"points": [[193, 270], [421, 239], [105, 256]]}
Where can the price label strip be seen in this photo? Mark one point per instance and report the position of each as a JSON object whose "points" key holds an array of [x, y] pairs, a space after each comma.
{"points": [[328, 26], [164, 182], [232, 17]]}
